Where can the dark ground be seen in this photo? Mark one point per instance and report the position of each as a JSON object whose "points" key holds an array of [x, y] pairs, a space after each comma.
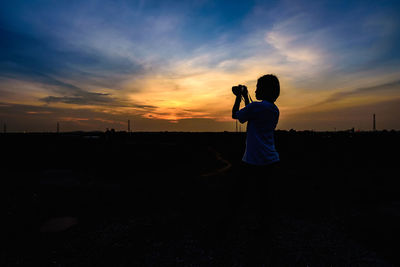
{"points": [[152, 199]]}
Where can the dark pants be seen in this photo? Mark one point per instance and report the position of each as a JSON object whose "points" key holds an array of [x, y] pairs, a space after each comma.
{"points": [[256, 185]]}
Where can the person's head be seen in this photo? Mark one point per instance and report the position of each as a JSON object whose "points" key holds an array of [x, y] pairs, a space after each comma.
{"points": [[268, 88]]}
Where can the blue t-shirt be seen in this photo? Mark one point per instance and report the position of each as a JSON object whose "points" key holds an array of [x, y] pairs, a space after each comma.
{"points": [[262, 118]]}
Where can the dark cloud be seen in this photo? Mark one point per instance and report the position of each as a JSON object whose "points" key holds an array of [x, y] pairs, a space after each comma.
{"points": [[53, 84], [86, 99], [29, 57], [143, 106], [381, 88], [98, 99]]}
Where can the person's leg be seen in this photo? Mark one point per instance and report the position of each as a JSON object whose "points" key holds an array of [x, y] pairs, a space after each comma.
{"points": [[259, 195], [237, 192], [267, 188]]}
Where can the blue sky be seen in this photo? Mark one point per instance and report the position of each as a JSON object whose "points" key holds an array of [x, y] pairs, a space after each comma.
{"points": [[169, 65]]}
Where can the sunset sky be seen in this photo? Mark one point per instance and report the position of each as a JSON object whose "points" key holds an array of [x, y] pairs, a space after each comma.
{"points": [[170, 65]]}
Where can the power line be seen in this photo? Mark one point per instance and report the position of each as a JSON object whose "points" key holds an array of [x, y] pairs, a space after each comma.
{"points": [[374, 123]]}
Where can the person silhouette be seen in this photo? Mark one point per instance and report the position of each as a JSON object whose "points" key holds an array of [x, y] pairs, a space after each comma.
{"points": [[262, 118], [260, 160]]}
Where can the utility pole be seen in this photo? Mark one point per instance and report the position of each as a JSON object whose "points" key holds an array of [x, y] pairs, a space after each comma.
{"points": [[5, 128], [129, 126], [236, 126], [58, 127], [374, 123]]}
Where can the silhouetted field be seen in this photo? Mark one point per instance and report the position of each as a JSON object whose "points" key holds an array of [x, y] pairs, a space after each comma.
{"points": [[151, 199]]}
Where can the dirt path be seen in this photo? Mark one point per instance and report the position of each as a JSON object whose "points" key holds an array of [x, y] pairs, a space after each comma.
{"points": [[225, 167]]}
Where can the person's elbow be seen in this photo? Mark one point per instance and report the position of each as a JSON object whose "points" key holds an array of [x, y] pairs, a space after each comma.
{"points": [[235, 115], [241, 120]]}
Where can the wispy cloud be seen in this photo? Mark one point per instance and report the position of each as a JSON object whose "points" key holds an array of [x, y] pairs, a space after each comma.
{"points": [[378, 90]]}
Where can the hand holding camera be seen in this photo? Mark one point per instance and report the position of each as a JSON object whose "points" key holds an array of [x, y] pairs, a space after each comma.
{"points": [[240, 90]]}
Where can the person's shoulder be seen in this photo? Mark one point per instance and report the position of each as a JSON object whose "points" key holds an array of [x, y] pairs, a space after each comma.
{"points": [[262, 106], [251, 105], [269, 107], [268, 104], [257, 104]]}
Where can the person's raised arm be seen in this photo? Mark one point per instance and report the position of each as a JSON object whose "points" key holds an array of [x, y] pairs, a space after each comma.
{"points": [[236, 106], [246, 97]]}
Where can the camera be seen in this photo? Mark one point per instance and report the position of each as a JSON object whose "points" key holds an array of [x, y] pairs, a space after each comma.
{"points": [[239, 90]]}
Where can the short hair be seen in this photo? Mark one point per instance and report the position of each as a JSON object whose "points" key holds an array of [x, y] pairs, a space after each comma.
{"points": [[269, 87]]}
